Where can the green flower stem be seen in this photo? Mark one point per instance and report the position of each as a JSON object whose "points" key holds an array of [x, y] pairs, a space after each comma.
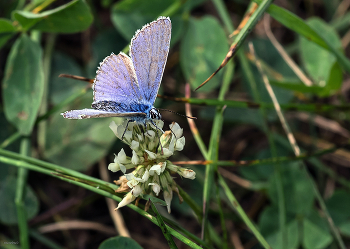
{"points": [[10, 140], [214, 147], [317, 108], [222, 219], [186, 233], [19, 199], [162, 226], [53, 168], [197, 210], [81, 181], [241, 212]]}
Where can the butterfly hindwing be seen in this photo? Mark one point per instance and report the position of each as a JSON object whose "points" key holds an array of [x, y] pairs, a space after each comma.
{"points": [[149, 52], [127, 87]]}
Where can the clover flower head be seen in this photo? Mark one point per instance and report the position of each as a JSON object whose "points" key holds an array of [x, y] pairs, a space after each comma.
{"points": [[151, 149]]}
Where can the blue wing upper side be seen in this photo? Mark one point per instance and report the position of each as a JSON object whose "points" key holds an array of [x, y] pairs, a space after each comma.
{"points": [[149, 52], [116, 80]]}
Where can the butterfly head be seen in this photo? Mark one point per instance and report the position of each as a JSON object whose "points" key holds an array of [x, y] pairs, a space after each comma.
{"points": [[154, 114]]}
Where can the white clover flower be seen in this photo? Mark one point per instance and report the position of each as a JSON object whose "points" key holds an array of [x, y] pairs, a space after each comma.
{"points": [[167, 153], [188, 173], [114, 128], [168, 196], [180, 143], [128, 198], [176, 129], [121, 158], [114, 167], [155, 188], [136, 191], [150, 153], [134, 159], [134, 145]]}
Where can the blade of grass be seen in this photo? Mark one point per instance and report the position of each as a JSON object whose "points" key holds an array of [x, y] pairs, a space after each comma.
{"points": [[240, 211], [98, 190], [162, 226]]}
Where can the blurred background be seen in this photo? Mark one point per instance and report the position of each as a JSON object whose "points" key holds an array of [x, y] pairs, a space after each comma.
{"points": [[40, 40]]}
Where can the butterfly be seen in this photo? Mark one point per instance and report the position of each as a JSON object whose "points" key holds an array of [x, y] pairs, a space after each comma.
{"points": [[127, 86]]}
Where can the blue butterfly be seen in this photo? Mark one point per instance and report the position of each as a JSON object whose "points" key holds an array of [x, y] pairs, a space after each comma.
{"points": [[127, 86]]}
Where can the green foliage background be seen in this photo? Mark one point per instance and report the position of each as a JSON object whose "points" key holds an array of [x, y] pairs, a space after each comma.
{"points": [[278, 201]]}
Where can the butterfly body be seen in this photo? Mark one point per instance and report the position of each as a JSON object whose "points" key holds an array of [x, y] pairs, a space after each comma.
{"points": [[127, 86]]}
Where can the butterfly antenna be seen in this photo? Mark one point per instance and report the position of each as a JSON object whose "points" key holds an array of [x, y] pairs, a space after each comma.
{"points": [[178, 113], [76, 77]]}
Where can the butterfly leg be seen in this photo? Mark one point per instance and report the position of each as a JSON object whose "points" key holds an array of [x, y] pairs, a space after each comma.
{"points": [[126, 127], [161, 147]]}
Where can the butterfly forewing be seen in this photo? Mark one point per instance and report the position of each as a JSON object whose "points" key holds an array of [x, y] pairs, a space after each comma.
{"points": [[116, 80], [149, 52]]}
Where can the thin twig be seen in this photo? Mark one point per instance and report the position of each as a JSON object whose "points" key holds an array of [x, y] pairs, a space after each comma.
{"points": [[276, 105], [284, 54]]}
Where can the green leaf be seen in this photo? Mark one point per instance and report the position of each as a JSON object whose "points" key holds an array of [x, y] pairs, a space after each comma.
{"points": [[7, 30], [8, 213], [4, 38], [120, 243], [23, 84], [131, 15], [72, 17], [269, 226], [6, 26], [315, 232], [338, 206], [202, 49], [321, 64], [298, 192], [297, 86]]}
